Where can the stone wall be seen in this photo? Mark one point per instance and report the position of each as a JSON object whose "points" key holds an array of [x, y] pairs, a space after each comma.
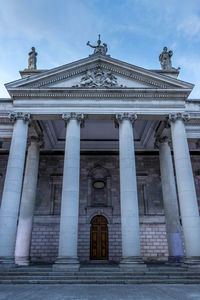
{"points": [[93, 168], [45, 234]]}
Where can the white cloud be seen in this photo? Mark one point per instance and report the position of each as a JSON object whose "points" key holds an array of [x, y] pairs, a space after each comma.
{"points": [[190, 26]]}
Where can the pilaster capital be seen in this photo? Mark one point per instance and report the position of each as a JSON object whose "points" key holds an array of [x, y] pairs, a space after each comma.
{"points": [[125, 116], [39, 140], [161, 140], [19, 116], [74, 116], [179, 116]]}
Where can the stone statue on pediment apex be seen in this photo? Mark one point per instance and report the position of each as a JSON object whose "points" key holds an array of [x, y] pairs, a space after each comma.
{"points": [[99, 49], [32, 60]]}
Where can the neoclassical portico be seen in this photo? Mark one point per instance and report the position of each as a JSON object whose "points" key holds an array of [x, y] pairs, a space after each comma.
{"points": [[99, 170]]}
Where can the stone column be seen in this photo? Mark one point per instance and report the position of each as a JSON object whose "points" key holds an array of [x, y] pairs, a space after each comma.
{"points": [[173, 227], [12, 188], [186, 189], [67, 254], [131, 257], [24, 230]]}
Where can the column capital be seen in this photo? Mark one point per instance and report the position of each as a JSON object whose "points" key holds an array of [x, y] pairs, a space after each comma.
{"points": [[19, 116], [74, 116], [179, 116], [161, 140], [125, 116], [36, 139]]}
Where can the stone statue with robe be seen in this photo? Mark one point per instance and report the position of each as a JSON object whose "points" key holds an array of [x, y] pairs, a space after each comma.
{"points": [[32, 60], [165, 59]]}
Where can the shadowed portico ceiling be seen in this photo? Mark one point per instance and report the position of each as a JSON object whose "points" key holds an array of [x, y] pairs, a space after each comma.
{"points": [[98, 135]]}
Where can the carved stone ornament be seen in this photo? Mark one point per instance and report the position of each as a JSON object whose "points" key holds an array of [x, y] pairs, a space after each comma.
{"points": [[124, 116], [19, 116], [160, 140], [98, 79], [74, 116], [179, 116], [36, 139]]}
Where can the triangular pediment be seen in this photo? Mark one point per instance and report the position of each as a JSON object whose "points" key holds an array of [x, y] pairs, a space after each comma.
{"points": [[97, 72]]}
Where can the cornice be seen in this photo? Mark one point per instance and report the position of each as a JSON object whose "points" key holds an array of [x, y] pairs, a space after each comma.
{"points": [[100, 93]]}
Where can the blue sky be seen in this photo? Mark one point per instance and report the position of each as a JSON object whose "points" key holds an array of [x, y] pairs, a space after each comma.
{"points": [[135, 30]]}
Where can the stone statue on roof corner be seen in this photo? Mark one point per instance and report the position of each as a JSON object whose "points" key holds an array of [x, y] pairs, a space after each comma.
{"points": [[165, 60], [32, 60], [99, 49]]}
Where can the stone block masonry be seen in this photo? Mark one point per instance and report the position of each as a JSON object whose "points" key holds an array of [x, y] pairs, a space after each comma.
{"points": [[45, 236], [44, 247]]}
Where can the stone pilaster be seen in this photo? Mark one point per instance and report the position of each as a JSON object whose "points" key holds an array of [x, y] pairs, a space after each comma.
{"points": [[131, 256], [68, 240], [186, 189], [12, 188], [173, 227], [25, 222]]}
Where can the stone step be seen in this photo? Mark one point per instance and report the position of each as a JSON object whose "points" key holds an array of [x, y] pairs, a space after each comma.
{"points": [[96, 273], [103, 281], [96, 277], [108, 274]]}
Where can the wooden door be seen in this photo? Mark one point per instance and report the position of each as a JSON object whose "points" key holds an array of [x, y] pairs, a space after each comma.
{"points": [[99, 238]]}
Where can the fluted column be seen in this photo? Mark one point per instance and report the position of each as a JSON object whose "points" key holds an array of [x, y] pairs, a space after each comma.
{"points": [[67, 254], [173, 227], [186, 189], [24, 230], [12, 188], [131, 257]]}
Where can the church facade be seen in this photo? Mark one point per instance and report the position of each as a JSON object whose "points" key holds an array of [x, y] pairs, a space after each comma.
{"points": [[99, 161]]}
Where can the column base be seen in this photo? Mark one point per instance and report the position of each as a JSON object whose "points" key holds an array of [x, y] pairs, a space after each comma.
{"points": [[7, 262], [22, 260], [66, 264], [175, 260], [192, 262], [132, 264]]}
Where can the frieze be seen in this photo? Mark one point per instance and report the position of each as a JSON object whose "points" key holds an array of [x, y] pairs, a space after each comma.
{"points": [[94, 93]]}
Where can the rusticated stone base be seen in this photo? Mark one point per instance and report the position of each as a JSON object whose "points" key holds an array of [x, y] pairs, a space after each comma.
{"points": [[132, 264], [66, 264], [22, 260], [175, 260]]}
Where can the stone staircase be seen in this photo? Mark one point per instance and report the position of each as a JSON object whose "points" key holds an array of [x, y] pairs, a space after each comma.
{"points": [[99, 275]]}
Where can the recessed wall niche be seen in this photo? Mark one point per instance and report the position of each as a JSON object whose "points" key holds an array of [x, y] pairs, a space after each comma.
{"points": [[99, 187]]}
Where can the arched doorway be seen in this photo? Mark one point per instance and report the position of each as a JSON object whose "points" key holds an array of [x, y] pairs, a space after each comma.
{"points": [[99, 238]]}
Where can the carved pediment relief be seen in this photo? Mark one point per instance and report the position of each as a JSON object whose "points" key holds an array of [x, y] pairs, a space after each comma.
{"points": [[98, 78]]}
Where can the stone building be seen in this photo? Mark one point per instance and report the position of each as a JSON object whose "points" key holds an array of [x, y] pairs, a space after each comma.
{"points": [[95, 165]]}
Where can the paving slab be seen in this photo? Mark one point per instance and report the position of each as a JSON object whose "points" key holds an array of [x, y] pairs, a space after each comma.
{"points": [[100, 292]]}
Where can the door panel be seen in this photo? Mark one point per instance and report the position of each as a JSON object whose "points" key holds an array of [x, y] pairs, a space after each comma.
{"points": [[99, 238]]}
